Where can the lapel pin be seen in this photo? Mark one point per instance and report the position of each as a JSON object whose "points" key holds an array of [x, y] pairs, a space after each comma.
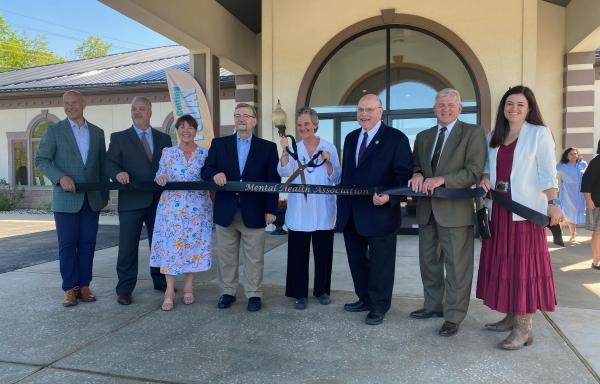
{"points": [[376, 141]]}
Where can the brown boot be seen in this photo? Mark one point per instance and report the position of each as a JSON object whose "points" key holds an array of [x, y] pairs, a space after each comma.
{"points": [[521, 334], [503, 325], [86, 294], [70, 298]]}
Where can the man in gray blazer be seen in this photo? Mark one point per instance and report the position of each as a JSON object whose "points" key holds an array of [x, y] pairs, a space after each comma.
{"points": [[451, 154], [73, 151], [133, 155]]}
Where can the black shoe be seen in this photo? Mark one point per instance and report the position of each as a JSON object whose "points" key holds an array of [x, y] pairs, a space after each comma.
{"points": [[358, 306], [374, 318], [124, 299], [425, 314], [225, 301], [324, 299], [301, 303], [594, 266], [448, 329], [254, 304]]}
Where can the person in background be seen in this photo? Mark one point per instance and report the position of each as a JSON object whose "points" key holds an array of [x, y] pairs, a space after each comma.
{"points": [[570, 168], [590, 186], [515, 274], [310, 217], [181, 243]]}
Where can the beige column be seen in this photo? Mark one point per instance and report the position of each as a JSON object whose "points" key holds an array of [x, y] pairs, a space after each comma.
{"points": [[579, 103]]}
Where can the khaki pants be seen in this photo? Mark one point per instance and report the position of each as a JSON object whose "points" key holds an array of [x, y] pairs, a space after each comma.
{"points": [[241, 247]]}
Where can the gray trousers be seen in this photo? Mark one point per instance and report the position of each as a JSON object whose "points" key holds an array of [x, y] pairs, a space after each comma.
{"points": [[449, 248], [240, 249]]}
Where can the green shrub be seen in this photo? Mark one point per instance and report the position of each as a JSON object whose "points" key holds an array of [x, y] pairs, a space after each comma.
{"points": [[9, 196]]}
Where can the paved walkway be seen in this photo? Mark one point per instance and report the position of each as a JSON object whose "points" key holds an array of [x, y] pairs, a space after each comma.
{"points": [[102, 342]]}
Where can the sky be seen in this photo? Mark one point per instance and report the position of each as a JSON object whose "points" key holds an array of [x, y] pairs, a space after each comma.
{"points": [[66, 23]]}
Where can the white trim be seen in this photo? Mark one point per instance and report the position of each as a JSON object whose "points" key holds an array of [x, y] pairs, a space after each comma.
{"points": [[580, 130], [589, 108], [575, 88]]}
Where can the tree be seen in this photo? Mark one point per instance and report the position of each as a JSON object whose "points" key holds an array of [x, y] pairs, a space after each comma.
{"points": [[91, 47], [20, 51]]}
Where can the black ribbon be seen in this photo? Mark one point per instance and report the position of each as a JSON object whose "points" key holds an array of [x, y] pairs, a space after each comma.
{"points": [[250, 186], [529, 214]]}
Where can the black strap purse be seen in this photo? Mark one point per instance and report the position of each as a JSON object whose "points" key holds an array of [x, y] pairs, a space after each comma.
{"points": [[483, 222]]}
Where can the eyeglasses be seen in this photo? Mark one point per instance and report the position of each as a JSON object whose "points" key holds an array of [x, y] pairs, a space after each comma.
{"points": [[237, 116], [368, 110]]}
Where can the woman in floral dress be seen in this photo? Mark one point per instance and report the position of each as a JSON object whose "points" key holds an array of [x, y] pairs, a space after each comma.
{"points": [[181, 243]]}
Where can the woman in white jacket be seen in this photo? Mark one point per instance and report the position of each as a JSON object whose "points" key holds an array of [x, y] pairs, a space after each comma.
{"points": [[515, 275]]}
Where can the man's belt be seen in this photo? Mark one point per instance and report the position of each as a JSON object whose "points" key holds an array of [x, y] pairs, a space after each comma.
{"points": [[529, 214], [250, 186]]}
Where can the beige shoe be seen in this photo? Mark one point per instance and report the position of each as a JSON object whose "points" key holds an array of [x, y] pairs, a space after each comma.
{"points": [[503, 325], [86, 294], [70, 298], [521, 335], [168, 303]]}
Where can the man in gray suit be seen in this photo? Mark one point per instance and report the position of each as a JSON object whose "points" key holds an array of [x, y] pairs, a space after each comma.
{"points": [[73, 151], [133, 155], [452, 155]]}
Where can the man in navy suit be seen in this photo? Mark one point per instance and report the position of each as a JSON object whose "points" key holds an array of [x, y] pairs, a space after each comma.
{"points": [[133, 155], [241, 218], [374, 156]]}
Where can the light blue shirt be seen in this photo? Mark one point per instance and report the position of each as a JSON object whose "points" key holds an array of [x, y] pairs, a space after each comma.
{"points": [[82, 137], [448, 130], [148, 136], [370, 135], [243, 148]]}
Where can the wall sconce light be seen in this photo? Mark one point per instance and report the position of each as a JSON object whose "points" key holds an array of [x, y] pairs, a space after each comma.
{"points": [[279, 118]]}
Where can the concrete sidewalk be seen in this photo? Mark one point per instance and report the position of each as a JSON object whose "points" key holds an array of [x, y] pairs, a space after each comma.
{"points": [[103, 342]]}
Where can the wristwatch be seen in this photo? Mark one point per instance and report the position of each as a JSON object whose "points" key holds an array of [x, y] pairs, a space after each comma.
{"points": [[554, 202]]}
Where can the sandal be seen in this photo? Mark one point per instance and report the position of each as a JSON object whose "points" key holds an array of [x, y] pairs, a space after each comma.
{"points": [[188, 298], [168, 303]]}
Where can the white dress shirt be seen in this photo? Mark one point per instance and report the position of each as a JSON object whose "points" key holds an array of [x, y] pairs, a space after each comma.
{"points": [[370, 136], [316, 212]]}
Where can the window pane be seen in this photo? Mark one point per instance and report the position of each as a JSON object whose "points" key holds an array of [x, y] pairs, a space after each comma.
{"points": [[38, 178], [326, 130], [40, 128], [19, 150], [346, 76], [410, 127], [411, 95], [422, 59], [470, 118]]}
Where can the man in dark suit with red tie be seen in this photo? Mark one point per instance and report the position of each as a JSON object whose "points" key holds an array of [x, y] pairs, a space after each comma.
{"points": [[133, 155], [374, 156]]}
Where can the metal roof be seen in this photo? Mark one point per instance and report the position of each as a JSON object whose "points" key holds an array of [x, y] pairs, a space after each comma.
{"points": [[122, 69]]}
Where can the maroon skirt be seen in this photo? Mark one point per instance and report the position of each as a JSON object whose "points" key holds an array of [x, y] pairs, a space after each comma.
{"points": [[515, 274]]}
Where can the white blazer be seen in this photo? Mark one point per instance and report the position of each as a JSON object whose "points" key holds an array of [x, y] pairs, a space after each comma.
{"points": [[533, 169]]}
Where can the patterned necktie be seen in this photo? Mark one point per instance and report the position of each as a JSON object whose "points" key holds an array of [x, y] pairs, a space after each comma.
{"points": [[438, 149], [146, 146], [363, 147]]}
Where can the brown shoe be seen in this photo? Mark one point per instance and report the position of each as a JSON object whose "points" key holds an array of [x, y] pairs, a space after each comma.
{"points": [[124, 299], [85, 294], [521, 335], [70, 298], [503, 325]]}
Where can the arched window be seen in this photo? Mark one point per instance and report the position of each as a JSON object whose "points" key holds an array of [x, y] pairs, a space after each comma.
{"points": [[169, 128], [405, 66], [38, 128]]}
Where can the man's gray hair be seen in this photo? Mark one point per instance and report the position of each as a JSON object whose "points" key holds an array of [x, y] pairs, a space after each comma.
{"points": [[308, 111], [246, 105], [448, 92], [142, 99]]}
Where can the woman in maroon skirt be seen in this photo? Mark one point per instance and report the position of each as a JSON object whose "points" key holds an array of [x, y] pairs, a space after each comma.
{"points": [[515, 275]]}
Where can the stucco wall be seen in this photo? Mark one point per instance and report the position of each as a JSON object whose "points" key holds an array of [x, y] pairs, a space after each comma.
{"points": [[549, 82]]}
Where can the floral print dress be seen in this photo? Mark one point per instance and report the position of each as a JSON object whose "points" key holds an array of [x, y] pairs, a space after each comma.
{"points": [[181, 241]]}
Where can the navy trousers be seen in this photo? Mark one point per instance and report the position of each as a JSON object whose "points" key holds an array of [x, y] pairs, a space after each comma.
{"points": [[76, 245]]}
